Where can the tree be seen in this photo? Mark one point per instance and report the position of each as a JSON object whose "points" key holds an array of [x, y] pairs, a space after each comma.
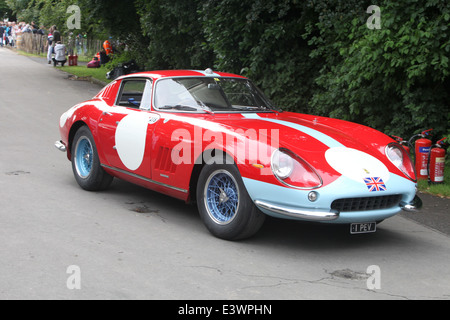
{"points": [[16, 6], [263, 40], [120, 20], [175, 33], [396, 78], [5, 11]]}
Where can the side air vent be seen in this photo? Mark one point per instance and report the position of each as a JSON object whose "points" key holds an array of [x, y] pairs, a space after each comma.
{"points": [[164, 160]]}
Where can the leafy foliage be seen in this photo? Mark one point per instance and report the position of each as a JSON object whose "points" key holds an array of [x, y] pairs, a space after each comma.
{"points": [[5, 11], [263, 40], [395, 79], [176, 35]]}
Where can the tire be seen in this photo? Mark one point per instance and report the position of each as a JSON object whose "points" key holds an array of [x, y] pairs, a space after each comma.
{"points": [[224, 205], [86, 163]]}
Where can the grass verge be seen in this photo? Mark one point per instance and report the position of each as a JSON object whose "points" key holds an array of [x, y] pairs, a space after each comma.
{"points": [[441, 190], [84, 72], [79, 71]]}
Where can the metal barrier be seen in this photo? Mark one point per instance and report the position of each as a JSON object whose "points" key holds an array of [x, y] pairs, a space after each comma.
{"points": [[38, 44]]}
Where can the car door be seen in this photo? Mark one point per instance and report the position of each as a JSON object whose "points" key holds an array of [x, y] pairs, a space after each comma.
{"points": [[125, 129]]}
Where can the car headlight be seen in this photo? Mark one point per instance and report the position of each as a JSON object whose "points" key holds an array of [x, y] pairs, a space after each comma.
{"points": [[293, 171], [400, 158], [282, 164]]}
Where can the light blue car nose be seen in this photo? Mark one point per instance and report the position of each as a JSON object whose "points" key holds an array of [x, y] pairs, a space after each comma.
{"points": [[290, 203]]}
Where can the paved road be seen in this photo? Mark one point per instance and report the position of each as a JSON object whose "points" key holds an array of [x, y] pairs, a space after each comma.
{"points": [[131, 243]]}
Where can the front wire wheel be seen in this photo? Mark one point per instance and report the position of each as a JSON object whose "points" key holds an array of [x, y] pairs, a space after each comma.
{"points": [[224, 204], [84, 157], [221, 196]]}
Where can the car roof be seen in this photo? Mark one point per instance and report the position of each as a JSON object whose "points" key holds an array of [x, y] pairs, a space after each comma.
{"points": [[181, 73]]}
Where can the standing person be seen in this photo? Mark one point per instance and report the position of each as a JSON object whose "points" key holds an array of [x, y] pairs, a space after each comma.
{"points": [[56, 35], [34, 27], [8, 34], [2, 31], [14, 29], [56, 39], [60, 54], [50, 45]]}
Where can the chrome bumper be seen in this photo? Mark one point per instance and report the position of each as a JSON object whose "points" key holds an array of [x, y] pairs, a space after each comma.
{"points": [[301, 213], [412, 206], [320, 215], [60, 146]]}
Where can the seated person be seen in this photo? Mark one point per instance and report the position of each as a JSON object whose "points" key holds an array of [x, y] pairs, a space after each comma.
{"points": [[104, 58], [60, 54]]}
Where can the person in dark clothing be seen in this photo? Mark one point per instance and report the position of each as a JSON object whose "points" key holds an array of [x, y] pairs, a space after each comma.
{"points": [[34, 27], [104, 58], [56, 35], [2, 31]]}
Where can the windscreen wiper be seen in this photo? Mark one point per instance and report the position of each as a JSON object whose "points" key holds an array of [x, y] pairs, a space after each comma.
{"points": [[254, 108], [180, 107]]}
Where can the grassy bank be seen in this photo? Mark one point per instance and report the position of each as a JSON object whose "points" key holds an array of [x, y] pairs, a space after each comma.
{"points": [[441, 190], [80, 71], [44, 55], [85, 73]]}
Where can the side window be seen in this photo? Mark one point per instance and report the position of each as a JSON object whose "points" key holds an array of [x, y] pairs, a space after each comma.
{"points": [[131, 93]]}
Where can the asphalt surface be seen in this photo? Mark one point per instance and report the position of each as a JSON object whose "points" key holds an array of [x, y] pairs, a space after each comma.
{"points": [[435, 213], [132, 243]]}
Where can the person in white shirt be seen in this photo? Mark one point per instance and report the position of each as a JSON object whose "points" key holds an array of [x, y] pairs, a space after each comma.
{"points": [[60, 54], [49, 46]]}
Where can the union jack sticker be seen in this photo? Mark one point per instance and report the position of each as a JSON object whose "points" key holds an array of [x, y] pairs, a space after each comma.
{"points": [[375, 184]]}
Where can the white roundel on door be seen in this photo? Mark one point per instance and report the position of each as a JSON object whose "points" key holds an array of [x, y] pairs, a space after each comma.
{"points": [[355, 164], [131, 134]]}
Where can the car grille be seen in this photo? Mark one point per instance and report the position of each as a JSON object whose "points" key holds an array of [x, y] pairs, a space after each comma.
{"points": [[367, 203]]}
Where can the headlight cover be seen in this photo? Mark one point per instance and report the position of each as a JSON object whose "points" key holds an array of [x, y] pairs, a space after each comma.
{"points": [[293, 171], [400, 158], [282, 164]]}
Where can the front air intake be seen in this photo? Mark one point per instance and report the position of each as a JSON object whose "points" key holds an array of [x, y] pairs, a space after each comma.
{"points": [[366, 203]]}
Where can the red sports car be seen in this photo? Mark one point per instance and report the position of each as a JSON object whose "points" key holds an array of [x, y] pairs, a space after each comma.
{"points": [[213, 138]]}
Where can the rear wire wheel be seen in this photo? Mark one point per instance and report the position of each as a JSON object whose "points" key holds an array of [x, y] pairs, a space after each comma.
{"points": [[224, 205], [86, 164]]}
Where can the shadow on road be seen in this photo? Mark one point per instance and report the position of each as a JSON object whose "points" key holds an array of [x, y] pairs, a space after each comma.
{"points": [[274, 233]]}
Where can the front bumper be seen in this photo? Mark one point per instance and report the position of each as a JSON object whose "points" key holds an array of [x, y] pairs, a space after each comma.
{"points": [[60, 146], [289, 203], [413, 206], [309, 214], [298, 213]]}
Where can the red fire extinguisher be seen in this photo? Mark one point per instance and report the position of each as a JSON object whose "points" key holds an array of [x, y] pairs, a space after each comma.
{"points": [[422, 152], [437, 162], [70, 60]]}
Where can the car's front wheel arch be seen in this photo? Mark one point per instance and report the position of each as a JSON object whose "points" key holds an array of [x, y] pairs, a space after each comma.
{"points": [[73, 130], [86, 165]]}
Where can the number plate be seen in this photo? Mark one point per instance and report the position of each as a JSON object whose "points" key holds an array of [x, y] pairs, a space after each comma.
{"points": [[366, 227]]}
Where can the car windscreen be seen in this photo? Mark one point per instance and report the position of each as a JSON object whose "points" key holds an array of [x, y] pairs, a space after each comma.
{"points": [[208, 93]]}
